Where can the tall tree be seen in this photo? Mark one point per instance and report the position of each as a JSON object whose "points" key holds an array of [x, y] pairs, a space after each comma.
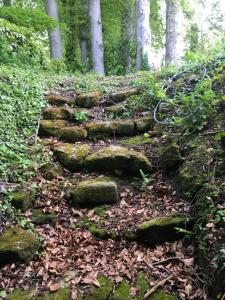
{"points": [[7, 2], [128, 34], [143, 34], [96, 37], [55, 40], [84, 33], [171, 31]]}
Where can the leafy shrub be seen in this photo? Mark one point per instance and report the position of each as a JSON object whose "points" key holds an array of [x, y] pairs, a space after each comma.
{"points": [[80, 117], [21, 103]]}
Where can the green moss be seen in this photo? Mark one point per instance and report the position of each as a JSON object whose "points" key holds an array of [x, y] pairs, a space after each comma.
{"points": [[60, 113], [99, 233], [62, 294], [142, 285], [129, 235], [136, 140], [103, 292], [144, 124], [18, 244], [19, 294], [169, 155], [163, 221], [160, 295], [123, 95], [123, 292], [88, 100], [59, 100], [100, 211]]}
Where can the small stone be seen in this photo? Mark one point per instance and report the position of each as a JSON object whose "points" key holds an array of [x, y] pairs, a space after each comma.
{"points": [[169, 155], [144, 124], [72, 156], [88, 100], [22, 200], [95, 192], [17, 244]]}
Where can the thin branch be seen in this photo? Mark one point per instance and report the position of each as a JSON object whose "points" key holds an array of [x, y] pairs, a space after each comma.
{"points": [[158, 285]]}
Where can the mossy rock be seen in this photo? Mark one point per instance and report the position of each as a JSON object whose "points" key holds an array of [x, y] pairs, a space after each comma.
{"points": [[50, 128], [72, 134], [199, 166], [72, 156], [160, 230], [111, 128], [116, 109], [62, 294], [144, 124], [129, 235], [39, 217], [17, 244], [114, 158], [60, 113], [88, 100], [22, 199], [95, 192], [136, 140], [51, 171], [123, 95], [59, 100], [103, 292], [169, 155], [19, 294], [123, 292]]}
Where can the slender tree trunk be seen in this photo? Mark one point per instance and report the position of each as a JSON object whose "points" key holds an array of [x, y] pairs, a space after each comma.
{"points": [[96, 37], [7, 2], [143, 34], [128, 34], [55, 40], [84, 31], [171, 31]]}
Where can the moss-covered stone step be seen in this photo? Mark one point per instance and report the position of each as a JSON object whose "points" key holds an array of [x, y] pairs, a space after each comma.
{"points": [[160, 230], [94, 192], [65, 113], [123, 95], [38, 217], [51, 170], [61, 130], [61, 294], [88, 100], [60, 100], [17, 244], [72, 156], [112, 158]]}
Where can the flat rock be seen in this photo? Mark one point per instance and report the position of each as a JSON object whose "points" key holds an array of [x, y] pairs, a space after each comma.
{"points": [[51, 170], [114, 158], [60, 100], [50, 128], [95, 192], [88, 100], [17, 244], [60, 113], [72, 156], [39, 217], [160, 230], [111, 128]]}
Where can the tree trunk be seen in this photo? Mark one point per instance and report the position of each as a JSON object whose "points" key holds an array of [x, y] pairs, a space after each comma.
{"points": [[55, 40], [96, 37], [84, 31], [143, 34], [7, 2], [171, 31], [128, 34]]}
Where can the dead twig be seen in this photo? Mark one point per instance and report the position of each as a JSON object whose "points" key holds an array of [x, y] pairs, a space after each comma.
{"points": [[167, 260], [158, 285]]}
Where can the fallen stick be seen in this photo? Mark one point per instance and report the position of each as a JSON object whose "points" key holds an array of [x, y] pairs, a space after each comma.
{"points": [[167, 260], [158, 285]]}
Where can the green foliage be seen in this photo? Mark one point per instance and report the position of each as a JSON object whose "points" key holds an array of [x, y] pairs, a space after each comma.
{"points": [[80, 117], [194, 109], [17, 46], [156, 24], [33, 19], [21, 103]]}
